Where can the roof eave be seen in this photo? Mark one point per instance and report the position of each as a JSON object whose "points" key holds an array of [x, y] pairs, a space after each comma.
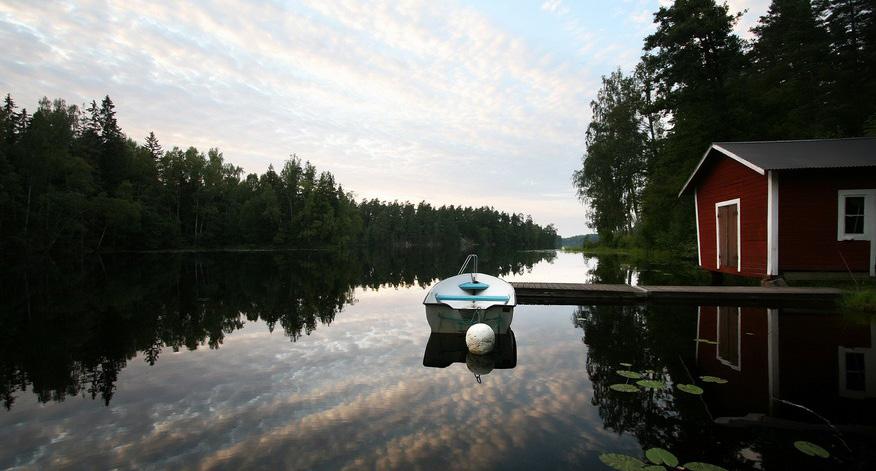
{"points": [[725, 152]]}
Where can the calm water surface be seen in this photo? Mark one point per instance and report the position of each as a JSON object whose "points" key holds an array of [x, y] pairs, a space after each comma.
{"points": [[316, 361]]}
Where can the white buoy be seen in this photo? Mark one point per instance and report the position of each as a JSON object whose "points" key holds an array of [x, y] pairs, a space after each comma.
{"points": [[480, 339]]}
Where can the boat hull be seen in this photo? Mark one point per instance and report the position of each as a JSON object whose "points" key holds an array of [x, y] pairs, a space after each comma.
{"points": [[447, 320]]}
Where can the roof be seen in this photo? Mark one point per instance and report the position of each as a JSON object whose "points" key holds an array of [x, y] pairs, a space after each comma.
{"points": [[761, 156]]}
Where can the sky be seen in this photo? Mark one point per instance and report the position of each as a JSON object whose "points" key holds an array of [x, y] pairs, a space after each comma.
{"points": [[472, 103]]}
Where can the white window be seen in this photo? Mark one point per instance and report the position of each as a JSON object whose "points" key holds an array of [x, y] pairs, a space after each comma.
{"points": [[854, 210]]}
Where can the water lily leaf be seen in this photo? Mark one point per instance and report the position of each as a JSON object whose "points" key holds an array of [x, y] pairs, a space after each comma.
{"points": [[621, 462], [621, 387], [661, 456], [653, 467], [698, 466], [650, 383], [626, 364], [650, 372], [690, 388], [629, 374], [712, 342], [713, 379], [811, 449]]}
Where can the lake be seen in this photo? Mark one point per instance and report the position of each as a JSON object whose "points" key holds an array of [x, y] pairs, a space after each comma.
{"points": [[315, 360]]}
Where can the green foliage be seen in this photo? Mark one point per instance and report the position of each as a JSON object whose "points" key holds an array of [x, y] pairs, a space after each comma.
{"points": [[713, 379], [621, 462], [71, 182], [698, 466], [808, 72], [661, 456], [613, 172], [622, 387], [690, 388], [863, 299], [629, 374], [811, 449], [650, 383]]}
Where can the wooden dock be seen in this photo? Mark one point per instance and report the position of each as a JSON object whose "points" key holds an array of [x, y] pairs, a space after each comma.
{"points": [[581, 293]]}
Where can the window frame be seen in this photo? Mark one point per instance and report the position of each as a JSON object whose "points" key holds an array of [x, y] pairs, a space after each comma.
{"points": [[842, 195]]}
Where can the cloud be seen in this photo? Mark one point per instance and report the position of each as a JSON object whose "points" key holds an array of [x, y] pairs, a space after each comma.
{"points": [[410, 100], [383, 94], [555, 6]]}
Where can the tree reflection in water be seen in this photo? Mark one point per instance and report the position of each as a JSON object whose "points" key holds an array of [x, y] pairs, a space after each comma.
{"points": [[69, 329], [786, 354], [655, 339]]}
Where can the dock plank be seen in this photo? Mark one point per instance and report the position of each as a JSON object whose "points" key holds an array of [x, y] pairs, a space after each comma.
{"points": [[574, 293]]}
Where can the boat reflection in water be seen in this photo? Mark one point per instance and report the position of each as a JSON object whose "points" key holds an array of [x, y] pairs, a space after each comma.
{"points": [[444, 349], [455, 304]]}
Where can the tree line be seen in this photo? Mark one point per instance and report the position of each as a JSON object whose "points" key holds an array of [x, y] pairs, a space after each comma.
{"points": [[809, 71], [72, 182]]}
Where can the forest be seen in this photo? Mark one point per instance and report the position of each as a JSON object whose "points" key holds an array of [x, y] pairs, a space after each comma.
{"points": [[71, 182], [808, 71]]}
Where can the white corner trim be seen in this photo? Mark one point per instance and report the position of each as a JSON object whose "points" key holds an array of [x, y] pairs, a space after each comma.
{"points": [[739, 159], [773, 353], [772, 223], [699, 344], [697, 223], [738, 204]]}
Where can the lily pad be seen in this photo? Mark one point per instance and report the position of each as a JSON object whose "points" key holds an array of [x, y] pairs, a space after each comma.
{"points": [[650, 383], [713, 379], [811, 449], [622, 387], [626, 364], [650, 372], [690, 388], [661, 456], [711, 342], [621, 462], [653, 467], [698, 466], [629, 374]]}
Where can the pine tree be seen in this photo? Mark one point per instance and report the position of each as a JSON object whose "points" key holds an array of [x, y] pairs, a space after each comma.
{"points": [[696, 62], [8, 121], [153, 147], [109, 126], [789, 72], [851, 25]]}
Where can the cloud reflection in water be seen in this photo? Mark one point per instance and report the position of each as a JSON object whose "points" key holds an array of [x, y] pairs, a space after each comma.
{"points": [[351, 395]]}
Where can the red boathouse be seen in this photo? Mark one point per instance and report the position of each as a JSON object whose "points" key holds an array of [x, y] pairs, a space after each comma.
{"points": [[769, 208]]}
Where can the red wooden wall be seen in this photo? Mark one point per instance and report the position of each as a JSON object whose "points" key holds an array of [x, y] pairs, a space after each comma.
{"points": [[808, 220], [725, 179]]}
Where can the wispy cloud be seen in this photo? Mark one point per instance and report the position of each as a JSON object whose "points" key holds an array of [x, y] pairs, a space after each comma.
{"points": [[410, 100]]}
